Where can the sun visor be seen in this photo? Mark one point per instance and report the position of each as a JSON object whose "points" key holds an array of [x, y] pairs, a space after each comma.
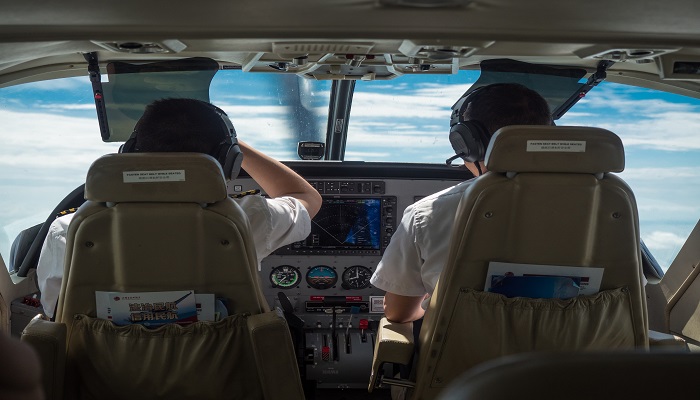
{"points": [[132, 86], [556, 85]]}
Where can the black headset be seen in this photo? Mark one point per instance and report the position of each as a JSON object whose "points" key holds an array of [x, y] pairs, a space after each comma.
{"points": [[470, 138], [228, 153]]}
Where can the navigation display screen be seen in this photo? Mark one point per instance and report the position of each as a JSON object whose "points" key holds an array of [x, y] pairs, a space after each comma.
{"points": [[345, 223]]}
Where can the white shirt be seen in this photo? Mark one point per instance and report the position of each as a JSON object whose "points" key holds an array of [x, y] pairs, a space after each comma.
{"points": [[417, 253], [274, 223]]}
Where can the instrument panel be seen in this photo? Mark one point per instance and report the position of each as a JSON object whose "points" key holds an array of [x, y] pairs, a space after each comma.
{"points": [[326, 277]]}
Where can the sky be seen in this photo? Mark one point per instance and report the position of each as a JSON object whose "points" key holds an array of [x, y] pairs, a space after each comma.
{"points": [[49, 136]]}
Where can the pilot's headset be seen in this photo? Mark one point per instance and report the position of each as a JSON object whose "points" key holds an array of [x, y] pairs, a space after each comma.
{"points": [[469, 138], [228, 153]]}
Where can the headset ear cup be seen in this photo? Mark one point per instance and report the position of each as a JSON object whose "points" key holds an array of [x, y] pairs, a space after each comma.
{"points": [[484, 137], [234, 159], [228, 154], [230, 157], [467, 140], [130, 144]]}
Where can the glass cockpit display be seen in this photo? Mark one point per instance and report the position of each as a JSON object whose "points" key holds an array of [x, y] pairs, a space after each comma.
{"points": [[351, 226], [346, 223]]}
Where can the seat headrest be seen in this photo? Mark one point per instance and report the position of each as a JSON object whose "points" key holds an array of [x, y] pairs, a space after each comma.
{"points": [[565, 149], [155, 177]]}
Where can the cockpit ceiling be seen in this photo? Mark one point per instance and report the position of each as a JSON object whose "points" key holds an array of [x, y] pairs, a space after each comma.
{"points": [[550, 20], [348, 39]]}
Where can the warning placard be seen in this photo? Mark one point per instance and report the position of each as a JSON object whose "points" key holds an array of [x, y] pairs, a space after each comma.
{"points": [[564, 146], [170, 175]]}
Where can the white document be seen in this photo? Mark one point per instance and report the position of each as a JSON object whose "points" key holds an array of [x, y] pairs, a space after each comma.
{"points": [[590, 277], [206, 306]]}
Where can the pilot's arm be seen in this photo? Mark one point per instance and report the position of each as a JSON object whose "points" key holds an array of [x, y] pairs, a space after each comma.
{"points": [[278, 180], [398, 308], [399, 273]]}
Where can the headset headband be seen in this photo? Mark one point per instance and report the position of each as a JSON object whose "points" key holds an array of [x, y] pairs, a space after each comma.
{"points": [[226, 120], [467, 98]]}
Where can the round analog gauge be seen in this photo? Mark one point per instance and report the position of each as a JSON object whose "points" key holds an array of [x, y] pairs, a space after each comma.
{"points": [[356, 277], [285, 276], [321, 277]]}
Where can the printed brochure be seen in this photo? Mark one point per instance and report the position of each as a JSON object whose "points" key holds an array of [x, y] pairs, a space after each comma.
{"points": [[536, 287], [542, 281], [153, 309]]}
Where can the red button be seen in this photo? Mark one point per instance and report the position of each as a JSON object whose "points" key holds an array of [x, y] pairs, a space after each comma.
{"points": [[364, 324]]}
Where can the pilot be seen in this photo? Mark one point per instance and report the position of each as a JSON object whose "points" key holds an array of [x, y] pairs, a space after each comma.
{"points": [[411, 265], [188, 125]]}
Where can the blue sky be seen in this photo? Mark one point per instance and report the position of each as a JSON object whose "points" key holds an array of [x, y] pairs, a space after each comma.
{"points": [[49, 137]]}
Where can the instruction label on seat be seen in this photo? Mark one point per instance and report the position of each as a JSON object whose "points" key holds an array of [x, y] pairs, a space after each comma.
{"points": [[564, 146], [169, 175]]}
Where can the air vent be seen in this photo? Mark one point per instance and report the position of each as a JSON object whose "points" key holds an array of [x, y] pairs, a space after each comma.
{"points": [[629, 54], [321, 48], [680, 67], [443, 50], [143, 47], [621, 54], [424, 3], [444, 53]]}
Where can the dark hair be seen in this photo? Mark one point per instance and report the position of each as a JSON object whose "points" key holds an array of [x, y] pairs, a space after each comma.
{"points": [[503, 104], [180, 125]]}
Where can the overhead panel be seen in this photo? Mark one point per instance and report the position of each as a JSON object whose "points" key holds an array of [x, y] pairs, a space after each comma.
{"points": [[359, 60]]}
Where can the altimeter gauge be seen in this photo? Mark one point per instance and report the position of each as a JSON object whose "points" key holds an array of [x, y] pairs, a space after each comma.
{"points": [[356, 277]]}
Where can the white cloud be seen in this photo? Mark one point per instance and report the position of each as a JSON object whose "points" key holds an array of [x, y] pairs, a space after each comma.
{"points": [[401, 108], [366, 155], [68, 107], [451, 93], [666, 209], [630, 100], [664, 246], [661, 174], [396, 139], [67, 84], [50, 141], [671, 131], [658, 240], [245, 111], [640, 120]]}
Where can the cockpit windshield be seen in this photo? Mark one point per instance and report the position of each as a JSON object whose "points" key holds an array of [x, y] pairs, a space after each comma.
{"points": [[276, 111]]}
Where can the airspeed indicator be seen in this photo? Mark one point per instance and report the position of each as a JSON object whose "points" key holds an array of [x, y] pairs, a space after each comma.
{"points": [[285, 276]]}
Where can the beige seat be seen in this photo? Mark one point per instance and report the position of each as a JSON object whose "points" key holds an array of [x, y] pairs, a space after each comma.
{"points": [[547, 200], [163, 222], [581, 376]]}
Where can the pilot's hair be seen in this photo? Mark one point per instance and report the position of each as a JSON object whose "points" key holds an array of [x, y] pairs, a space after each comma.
{"points": [[179, 125], [506, 104]]}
